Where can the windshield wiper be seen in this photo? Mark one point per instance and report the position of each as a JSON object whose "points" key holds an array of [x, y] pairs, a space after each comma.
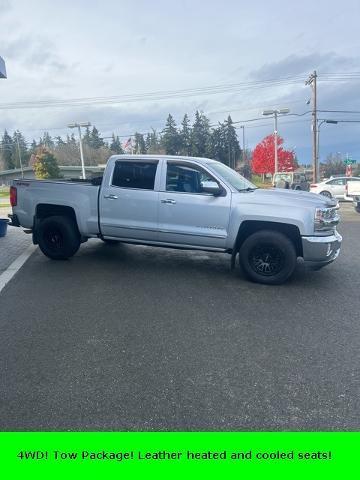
{"points": [[248, 189]]}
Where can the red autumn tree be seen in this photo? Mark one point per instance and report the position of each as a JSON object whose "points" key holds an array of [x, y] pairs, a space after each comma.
{"points": [[263, 160]]}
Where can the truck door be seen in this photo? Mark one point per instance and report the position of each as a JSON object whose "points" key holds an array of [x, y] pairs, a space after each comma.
{"points": [[187, 215], [129, 202]]}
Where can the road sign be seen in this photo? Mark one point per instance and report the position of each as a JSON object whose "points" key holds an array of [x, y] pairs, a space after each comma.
{"points": [[349, 161]]}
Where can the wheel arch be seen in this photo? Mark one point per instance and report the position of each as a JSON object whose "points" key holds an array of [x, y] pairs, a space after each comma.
{"points": [[248, 227], [46, 210]]}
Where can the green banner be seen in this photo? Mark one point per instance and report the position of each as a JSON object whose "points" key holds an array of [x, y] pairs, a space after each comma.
{"points": [[179, 455]]}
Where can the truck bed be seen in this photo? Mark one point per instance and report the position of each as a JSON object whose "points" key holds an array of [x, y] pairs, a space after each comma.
{"points": [[79, 195]]}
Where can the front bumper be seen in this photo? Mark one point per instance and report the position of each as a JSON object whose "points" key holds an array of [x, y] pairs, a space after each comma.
{"points": [[320, 251]]}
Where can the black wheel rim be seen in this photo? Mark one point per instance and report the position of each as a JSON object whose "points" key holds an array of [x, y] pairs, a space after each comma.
{"points": [[54, 239], [266, 260]]}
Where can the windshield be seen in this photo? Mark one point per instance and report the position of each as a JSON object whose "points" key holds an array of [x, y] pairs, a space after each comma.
{"points": [[283, 176], [233, 178]]}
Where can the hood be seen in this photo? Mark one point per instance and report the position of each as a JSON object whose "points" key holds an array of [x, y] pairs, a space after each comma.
{"points": [[296, 198]]}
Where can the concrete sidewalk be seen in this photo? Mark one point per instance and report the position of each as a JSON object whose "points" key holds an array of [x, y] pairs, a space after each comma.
{"points": [[13, 244]]}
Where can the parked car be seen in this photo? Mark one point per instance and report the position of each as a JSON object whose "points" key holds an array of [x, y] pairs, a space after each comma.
{"points": [[181, 202], [292, 180], [334, 187], [353, 192]]}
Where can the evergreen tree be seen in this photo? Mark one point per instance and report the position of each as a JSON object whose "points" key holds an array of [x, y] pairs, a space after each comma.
{"points": [[87, 136], [21, 154], [46, 165], [59, 142], [231, 143], [217, 144], [33, 146], [185, 136], [47, 141], [170, 137], [115, 145], [152, 143], [200, 136], [7, 147], [95, 140], [140, 146]]}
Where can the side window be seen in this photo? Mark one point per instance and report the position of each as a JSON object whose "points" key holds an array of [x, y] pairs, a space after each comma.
{"points": [[134, 175], [183, 178], [336, 181]]}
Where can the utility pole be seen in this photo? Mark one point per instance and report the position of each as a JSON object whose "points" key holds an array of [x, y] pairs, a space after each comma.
{"points": [[20, 160], [78, 126], [312, 82], [243, 142]]}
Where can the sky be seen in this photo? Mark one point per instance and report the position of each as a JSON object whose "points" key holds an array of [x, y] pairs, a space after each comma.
{"points": [[127, 48]]}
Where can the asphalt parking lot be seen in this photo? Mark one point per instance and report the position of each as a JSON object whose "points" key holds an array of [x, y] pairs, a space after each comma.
{"points": [[138, 338]]}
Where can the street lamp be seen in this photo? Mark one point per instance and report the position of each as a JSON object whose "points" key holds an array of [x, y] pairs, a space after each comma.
{"points": [[275, 113], [2, 68], [79, 125], [321, 122]]}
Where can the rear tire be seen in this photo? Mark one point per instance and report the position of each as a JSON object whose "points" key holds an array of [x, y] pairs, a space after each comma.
{"points": [[326, 194], [58, 237], [268, 257]]}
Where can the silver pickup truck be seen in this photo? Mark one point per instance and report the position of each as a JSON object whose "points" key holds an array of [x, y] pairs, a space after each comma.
{"points": [[181, 202]]}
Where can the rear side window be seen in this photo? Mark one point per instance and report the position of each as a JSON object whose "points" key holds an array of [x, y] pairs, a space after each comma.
{"points": [[134, 175]]}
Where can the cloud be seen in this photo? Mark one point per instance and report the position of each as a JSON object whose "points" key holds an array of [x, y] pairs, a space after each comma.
{"points": [[304, 64], [33, 52]]}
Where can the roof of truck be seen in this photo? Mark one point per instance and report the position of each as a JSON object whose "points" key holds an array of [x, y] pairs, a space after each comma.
{"points": [[166, 157]]}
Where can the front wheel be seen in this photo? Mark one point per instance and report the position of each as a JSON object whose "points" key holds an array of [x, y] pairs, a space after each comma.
{"points": [[268, 257], [58, 237]]}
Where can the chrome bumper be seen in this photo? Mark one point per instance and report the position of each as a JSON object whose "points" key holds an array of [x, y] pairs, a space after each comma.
{"points": [[320, 251]]}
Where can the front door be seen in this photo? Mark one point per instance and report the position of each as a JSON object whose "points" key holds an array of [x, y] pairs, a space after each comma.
{"points": [[187, 215], [129, 203]]}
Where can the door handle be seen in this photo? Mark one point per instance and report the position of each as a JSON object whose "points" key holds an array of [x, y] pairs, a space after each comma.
{"points": [[111, 197], [169, 200]]}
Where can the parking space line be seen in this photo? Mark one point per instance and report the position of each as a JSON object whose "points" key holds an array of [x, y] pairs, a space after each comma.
{"points": [[15, 266]]}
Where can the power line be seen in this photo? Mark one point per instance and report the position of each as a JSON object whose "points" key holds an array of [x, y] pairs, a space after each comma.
{"points": [[151, 96]]}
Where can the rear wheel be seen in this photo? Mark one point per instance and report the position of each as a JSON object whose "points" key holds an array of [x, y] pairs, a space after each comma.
{"points": [[268, 257], [58, 237], [326, 194]]}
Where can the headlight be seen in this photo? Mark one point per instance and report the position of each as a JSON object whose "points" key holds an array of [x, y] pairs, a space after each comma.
{"points": [[326, 218]]}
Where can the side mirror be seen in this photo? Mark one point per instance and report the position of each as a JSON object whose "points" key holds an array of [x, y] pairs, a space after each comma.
{"points": [[211, 187]]}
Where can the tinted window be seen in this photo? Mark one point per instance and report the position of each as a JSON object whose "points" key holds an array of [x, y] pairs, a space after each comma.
{"points": [[134, 175], [181, 178], [337, 181]]}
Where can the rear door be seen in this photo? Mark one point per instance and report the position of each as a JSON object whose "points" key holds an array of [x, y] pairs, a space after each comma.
{"points": [[336, 187], [129, 202], [187, 215]]}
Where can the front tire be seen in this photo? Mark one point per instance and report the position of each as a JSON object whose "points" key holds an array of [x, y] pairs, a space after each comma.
{"points": [[268, 257], [58, 237]]}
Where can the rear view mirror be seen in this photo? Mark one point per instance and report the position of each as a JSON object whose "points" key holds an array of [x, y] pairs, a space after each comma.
{"points": [[211, 187]]}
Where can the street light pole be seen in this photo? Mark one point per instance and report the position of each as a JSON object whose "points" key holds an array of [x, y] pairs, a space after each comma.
{"points": [[78, 126], [276, 141], [319, 123], [275, 113]]}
